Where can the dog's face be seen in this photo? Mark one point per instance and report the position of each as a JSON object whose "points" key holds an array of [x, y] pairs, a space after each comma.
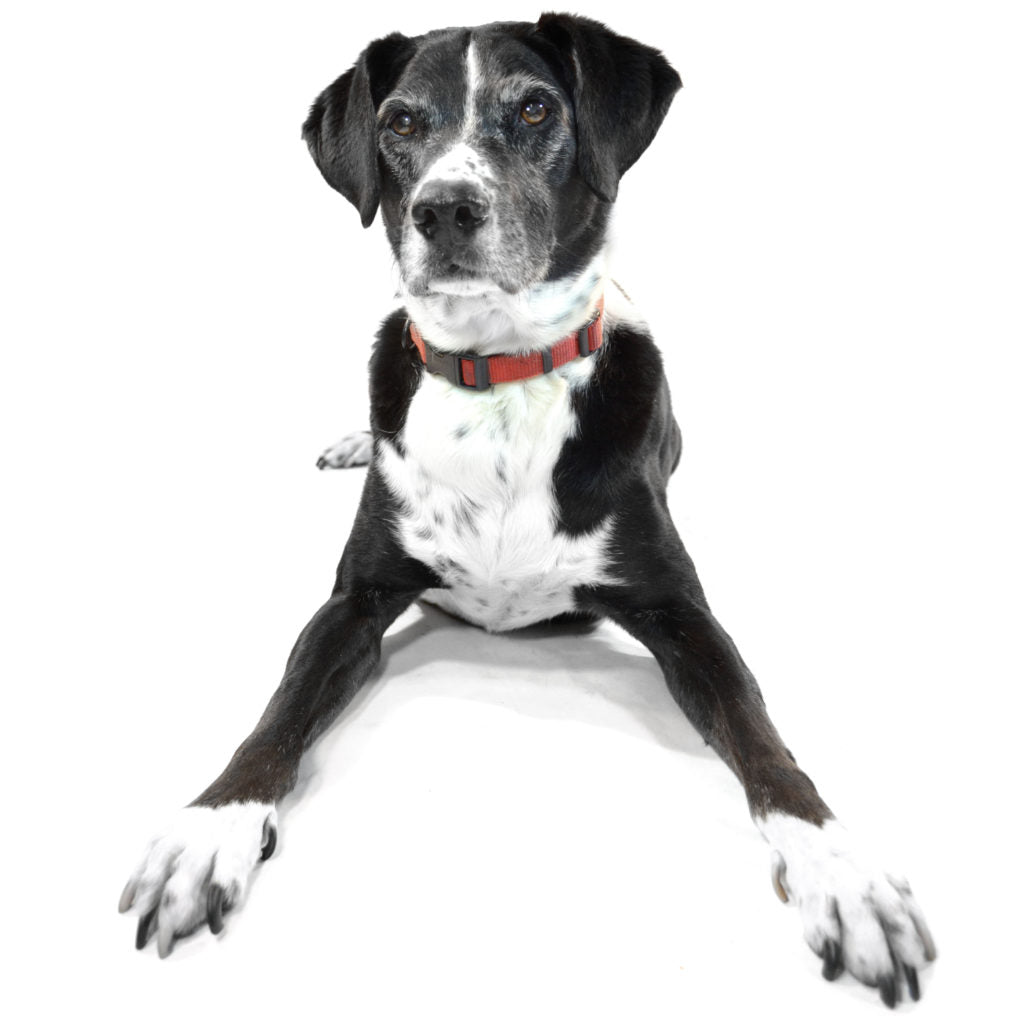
{"points": [[478, 149], [493, 153]]}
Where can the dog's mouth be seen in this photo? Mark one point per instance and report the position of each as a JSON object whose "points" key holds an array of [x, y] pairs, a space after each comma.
{"points": [[460, 279], [455, 275], [457, 270], [462, 286]]}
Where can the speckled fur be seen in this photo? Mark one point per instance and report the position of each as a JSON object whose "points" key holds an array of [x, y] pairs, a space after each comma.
{"points": [[474, 477], [527, 500]]}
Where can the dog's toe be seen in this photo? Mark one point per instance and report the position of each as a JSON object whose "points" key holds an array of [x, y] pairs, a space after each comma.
{"points": [[197, 870], [352, 450]]}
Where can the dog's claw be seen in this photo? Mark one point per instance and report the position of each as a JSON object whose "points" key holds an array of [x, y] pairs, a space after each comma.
{"points": [[164, 943], [127, 897], [913, 986], [145, 929], [887, 990], [833, 960], [269, 840], [216, 904], [779, 876]]}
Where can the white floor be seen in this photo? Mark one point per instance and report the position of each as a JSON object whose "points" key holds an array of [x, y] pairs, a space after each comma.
{"points": [[517, 828], [501, 827]]}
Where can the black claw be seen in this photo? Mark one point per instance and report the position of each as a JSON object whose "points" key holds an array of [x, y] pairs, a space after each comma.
{"points": [[145, 929], [321, 462], [269, 842], [887, 990], [216, 904], [912, 983], [833, 960]]}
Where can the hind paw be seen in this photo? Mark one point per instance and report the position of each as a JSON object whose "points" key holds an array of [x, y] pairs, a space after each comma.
{"points": [[352, 450]]}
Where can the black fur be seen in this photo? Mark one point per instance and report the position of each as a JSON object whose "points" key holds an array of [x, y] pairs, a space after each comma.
{"points": [[615, 93], [341, 130], [616, 466], [621, 91], [606, 97]]}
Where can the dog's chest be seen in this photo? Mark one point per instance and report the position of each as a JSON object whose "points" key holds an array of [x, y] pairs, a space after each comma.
{"points": [[476, 492]]}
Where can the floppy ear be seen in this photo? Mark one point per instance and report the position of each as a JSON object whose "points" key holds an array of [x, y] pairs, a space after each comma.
{"points": [[621, 90], [341, 130]]}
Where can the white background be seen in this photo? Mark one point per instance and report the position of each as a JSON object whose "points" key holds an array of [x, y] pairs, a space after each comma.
{"points": [[827, 239]]}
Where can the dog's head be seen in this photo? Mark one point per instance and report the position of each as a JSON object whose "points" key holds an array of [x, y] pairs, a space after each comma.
{"points": [[493, 153]]}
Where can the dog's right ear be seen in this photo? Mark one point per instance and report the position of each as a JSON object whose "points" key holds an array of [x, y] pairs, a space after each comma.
{"points": [[341, 130]]}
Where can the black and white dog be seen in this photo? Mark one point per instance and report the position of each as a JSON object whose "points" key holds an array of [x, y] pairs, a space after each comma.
{"points": [[522, 439]]}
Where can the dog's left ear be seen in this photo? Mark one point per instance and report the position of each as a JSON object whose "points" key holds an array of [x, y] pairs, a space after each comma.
{"points": [[621, 90], [341, 130]]}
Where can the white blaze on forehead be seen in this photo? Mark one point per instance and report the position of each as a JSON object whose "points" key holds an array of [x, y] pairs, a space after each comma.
{"points": [[472, 89], [462, 162]]}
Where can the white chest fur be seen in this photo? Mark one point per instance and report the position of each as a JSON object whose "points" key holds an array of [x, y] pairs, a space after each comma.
{"points": [[477, 497]]}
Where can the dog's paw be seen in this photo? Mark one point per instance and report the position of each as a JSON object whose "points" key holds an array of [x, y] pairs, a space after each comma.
{"points": [[854, 916], [352, 450], [197, 869]]}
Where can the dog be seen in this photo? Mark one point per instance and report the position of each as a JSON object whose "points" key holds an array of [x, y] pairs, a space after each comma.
{"points": [[522, 438]]}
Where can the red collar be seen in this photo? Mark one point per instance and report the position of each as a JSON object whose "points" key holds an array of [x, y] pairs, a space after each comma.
{"points": [[477, 373]]}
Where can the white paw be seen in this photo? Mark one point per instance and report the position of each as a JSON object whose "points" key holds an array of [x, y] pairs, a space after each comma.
{"points": [[854, 916], [197, 869], [352, 450]]}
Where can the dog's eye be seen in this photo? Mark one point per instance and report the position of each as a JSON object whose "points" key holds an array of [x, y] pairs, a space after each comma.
{"points": [[402, 123], [533, 111]]}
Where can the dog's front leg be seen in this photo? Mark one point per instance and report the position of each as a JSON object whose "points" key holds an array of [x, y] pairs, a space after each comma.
{"points": [[854, 915], [199, 867]]}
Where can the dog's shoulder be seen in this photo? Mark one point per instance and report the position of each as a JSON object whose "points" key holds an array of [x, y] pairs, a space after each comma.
{"points": [[627, 401], [626, 432]]}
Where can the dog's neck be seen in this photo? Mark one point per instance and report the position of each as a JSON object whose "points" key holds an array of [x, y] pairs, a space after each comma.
{"points": [[490, 322]]}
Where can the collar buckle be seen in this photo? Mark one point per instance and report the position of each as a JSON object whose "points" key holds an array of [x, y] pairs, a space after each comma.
{"points": [[450, 365]]}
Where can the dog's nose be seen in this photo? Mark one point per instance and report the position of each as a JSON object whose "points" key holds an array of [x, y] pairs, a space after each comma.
{"points": [[441, 216]]}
